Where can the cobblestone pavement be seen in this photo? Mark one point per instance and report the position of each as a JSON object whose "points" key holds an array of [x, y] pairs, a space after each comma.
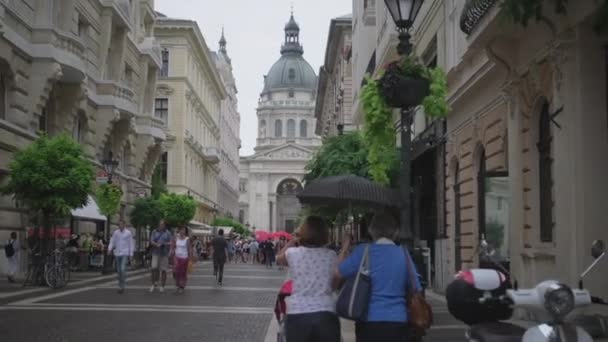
{"points": [[240, 310]]}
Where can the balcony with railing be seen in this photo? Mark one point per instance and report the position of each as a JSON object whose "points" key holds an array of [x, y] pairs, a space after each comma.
{"points": [[473, 13], [117, 94], [151, 49], [211, 154]]}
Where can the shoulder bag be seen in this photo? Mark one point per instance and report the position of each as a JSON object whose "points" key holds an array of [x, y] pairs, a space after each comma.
{"points": [[353, 299], [419, 312]]}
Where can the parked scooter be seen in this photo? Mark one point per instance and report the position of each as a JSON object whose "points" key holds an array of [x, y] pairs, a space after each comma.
{"points": [[482, 298]]}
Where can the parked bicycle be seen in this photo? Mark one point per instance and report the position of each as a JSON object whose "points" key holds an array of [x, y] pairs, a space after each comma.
{"points": [[52, 271]]}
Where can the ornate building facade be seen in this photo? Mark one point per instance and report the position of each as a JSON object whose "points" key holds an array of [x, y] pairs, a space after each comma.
{"points": [[188, 100], [86, 68], [270, 179], [333, 109], [230, 143]]}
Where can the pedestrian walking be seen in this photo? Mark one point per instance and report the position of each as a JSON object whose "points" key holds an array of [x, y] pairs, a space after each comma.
{"points": [[122, 245], [268, 249], [220, 255], [311, 307], [253, 251], [12, 250], [182, 252], [160, 241], [280, 245], [245, 252], [197, 247], [387, 313]]}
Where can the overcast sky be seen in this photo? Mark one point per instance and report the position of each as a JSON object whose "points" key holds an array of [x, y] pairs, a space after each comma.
{"points": [[254, 30]]}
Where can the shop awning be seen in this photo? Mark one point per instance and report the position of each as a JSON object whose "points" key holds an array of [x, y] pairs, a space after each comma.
{"points": [[89, 212], [196, 224]]}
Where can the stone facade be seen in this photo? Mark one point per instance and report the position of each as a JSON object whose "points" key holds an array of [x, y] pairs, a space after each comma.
{"points": [[531, 104], [270, 179], [87, 68], [333, 109], [230, 121], [189, 98]]}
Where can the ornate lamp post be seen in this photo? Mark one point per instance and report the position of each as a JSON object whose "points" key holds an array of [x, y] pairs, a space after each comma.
{"points": [[109, 166], [404, 13]]}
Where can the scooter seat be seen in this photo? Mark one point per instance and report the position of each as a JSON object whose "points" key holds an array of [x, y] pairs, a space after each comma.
{"points": [[496, 332]]}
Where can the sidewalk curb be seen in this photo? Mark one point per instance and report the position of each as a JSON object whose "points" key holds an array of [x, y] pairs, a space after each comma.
{"points": [[273, 330], [26, 291]]}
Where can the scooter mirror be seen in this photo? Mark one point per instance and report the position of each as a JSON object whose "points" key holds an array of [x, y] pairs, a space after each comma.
{"points": [[598, 248]]}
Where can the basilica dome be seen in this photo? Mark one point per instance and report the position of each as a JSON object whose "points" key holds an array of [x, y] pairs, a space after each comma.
{"points": [[291, 71]]}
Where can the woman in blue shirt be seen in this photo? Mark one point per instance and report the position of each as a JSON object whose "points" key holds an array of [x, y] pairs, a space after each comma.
{"points": [[387, 311]]}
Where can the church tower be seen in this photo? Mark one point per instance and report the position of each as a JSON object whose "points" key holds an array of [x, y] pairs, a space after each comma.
{"points": [[271, 178], [286, 106]]}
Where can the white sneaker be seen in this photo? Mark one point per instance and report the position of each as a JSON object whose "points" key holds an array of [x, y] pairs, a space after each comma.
{"points": [[162, 289], [152, 288]]}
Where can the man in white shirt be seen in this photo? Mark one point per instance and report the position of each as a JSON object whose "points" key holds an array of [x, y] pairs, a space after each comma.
{"points": [[122, 245]]}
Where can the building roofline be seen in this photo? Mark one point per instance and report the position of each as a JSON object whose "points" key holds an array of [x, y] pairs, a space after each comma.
{"points": [[192, 26]]}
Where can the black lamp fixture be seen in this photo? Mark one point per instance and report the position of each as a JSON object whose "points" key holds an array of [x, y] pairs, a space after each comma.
{"points": [[404, 13], [109, 165]]}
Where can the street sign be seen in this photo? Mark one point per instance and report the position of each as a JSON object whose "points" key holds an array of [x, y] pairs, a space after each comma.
{"points": [[102, 177]]}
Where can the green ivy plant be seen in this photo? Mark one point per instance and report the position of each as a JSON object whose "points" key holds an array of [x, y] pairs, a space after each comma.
{"points": [[379, 131], [108, 198], [522, 11]]}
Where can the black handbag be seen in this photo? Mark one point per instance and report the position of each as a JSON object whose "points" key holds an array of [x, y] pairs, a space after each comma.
{"points": [[353, 300]]}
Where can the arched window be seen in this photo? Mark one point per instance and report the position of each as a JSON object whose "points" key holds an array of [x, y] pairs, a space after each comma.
{"points": [[79, 129], [126, 159], [303, 129], [481, 192], [278, 128], [291, 128], [545, 174], [262, 129], [457, 230]]}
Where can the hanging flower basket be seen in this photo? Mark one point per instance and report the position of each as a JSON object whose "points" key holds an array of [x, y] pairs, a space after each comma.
{"points": [[400, 91]]}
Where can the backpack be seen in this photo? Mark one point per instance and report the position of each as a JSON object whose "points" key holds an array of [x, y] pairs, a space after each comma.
{"points": [[9, 250]]}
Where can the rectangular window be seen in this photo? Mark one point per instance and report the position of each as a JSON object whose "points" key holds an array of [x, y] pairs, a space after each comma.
{"points": [[545, 161], [2, 97], [164, 69], [42, 124], [161, 110]]}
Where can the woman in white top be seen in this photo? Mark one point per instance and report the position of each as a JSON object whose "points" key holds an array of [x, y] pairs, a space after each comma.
{"points": [[181, 250], [310, 308]]}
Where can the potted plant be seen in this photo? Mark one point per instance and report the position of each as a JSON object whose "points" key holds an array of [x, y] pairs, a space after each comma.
{"points": [[404, 83]]}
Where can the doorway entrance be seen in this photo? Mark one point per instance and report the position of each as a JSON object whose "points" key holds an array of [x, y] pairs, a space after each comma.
{"points": [[288, 206]]}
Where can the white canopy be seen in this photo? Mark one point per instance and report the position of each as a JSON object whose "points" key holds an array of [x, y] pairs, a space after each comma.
{"points": [[89, 212]]}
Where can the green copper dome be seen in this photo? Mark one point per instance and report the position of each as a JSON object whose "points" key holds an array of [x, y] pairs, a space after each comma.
{"points": [[291, 70]]}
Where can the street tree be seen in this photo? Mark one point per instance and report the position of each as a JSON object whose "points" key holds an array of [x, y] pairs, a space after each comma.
{"points": [[146, 213], [237, 227], [177, 210], [51, 176]]}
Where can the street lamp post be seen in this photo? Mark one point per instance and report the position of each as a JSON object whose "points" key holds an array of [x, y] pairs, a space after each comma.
{"points": [[404, 13], [109, 166]]}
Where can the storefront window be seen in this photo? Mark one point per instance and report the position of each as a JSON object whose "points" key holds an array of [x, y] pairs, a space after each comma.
{"points": [[497, 198]]}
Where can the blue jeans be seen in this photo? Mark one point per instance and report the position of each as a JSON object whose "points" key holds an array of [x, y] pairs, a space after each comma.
{"points": [[121, 269]]}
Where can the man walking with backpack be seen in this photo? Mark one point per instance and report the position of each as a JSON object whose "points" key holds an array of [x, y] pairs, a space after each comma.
{"points": [[11, 251]]}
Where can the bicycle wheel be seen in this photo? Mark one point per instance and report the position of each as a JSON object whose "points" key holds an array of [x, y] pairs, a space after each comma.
{"points": [[55, 277]]}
